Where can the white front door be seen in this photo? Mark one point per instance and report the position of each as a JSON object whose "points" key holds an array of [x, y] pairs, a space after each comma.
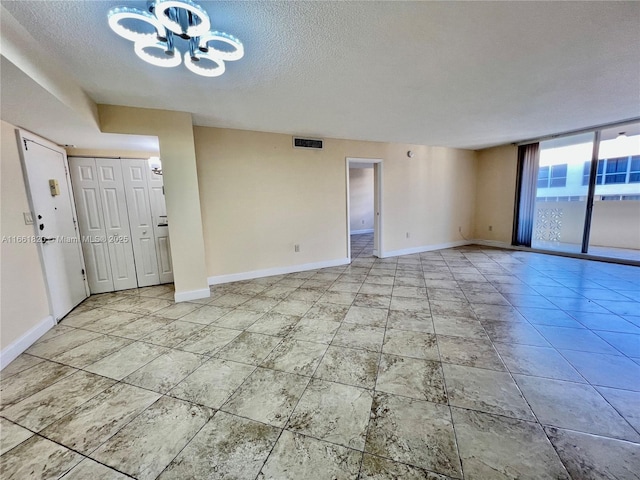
{"points": [[45, 164], [140, 220], [160, 226]]}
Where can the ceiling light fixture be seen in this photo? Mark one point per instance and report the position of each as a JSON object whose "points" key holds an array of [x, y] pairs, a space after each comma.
{"points": [[157, 29]]}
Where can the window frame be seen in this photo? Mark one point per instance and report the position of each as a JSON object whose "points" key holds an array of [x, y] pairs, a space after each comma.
{"points": [[549, 176]]}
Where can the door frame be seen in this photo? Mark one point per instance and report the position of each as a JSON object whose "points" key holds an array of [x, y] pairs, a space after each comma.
{"points": [[23, 136], [377, 204]]}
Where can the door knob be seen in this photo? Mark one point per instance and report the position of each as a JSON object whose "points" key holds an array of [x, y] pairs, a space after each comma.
{"points": [[144, 232]]}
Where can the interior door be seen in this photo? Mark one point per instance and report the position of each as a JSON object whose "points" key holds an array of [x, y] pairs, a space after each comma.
{"points": [[119, 238], [160, 226], [45, 164], [140, 220]]}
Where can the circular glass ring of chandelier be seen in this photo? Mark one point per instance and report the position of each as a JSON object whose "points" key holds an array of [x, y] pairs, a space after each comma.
{"points": [[117, 15], [235, 54], [195, 64], [142, 47], [194, 11], [168, 21]]}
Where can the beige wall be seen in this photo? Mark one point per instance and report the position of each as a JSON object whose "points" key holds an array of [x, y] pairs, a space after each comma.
{"points": [[260, 197], [495, 197], [361, 198], [430, 196], [175, 136], [23, 293]]}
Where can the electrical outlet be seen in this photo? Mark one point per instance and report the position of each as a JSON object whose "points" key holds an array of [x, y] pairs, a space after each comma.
{"points": [[296, 248], [491, 228], [28, 218]]}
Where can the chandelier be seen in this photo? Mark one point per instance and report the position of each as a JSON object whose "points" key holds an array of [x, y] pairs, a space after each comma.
{"points": [[155, 32]]}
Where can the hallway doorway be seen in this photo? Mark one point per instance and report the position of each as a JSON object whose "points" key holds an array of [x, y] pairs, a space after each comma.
{"points": [[364, 204]]}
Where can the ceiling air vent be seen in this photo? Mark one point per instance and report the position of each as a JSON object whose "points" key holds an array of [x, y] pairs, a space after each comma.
{"points": [[307, 143]]}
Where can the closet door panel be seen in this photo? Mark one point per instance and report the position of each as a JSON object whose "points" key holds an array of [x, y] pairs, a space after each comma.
{"points": [[119, 239], [140, 221], [98, 258], [86, 192]]}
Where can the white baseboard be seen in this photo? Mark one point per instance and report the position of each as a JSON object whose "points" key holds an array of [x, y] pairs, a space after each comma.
{"points": [[426, 248], [192, 295], [492, 243], [11, 352], [269, 272], [358, 232]]}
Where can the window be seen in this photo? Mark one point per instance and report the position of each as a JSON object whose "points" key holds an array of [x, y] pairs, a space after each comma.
{"points": [[543, 177], [552, 176], [561, 175], [616, 171], [558, 175], [587, 171], [634, 171]]}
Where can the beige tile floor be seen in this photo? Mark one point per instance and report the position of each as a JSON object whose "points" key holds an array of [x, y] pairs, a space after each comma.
{"points": [[471, 363]]}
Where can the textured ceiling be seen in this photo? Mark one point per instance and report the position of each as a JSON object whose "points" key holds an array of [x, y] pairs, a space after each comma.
{"points": [[461, 74]]}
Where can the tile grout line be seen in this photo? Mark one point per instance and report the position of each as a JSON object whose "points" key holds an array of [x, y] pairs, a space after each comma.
{"points": [[296, 405], [374, 391], [537, 421], [444, 379]]}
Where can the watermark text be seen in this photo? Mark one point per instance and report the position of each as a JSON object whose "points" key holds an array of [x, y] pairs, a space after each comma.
{"points": [[66, 239]]}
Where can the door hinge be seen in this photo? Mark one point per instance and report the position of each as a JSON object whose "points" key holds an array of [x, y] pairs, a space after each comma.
{"points": [[24, 140], [83, 275]]}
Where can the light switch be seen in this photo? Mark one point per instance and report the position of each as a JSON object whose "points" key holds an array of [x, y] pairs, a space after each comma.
{"points": [[28, 218], [54, 187]]}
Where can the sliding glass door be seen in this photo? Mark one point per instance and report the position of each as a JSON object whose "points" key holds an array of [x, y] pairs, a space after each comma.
{"points": [[615, 221], [581, 193], [561, 195]]}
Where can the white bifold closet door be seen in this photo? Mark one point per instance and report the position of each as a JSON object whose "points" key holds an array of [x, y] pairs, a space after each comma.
{"points": [[142, 233], [123, 223], [104, 224]]}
